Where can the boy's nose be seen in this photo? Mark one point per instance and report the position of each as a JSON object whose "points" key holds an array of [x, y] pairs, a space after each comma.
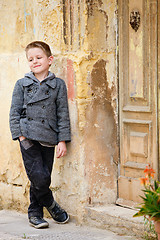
{"points": [[34, 60]]}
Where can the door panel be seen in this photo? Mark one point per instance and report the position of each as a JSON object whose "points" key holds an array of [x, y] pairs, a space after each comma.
{"points": [[137, 95]]}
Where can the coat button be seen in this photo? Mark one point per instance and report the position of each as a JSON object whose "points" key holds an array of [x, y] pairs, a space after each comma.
{"points": [[29, 90], [43, 107], [29, 119], [47, 92], [43, 121]]}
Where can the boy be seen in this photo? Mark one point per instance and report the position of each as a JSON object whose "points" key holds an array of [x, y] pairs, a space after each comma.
{"points": [[39, 119]]}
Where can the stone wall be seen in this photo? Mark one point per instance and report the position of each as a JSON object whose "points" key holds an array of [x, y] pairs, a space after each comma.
{"points": [[82, 36]]}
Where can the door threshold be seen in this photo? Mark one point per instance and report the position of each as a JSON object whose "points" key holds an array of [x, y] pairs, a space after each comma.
{"points": [[127, 203], [115, 218]]}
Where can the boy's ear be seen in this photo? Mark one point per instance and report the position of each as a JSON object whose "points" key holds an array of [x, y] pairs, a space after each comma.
{"points": [[50, 60]]}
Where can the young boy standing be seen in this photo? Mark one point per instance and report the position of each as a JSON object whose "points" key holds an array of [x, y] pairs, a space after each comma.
{"points": [[39, 119]]}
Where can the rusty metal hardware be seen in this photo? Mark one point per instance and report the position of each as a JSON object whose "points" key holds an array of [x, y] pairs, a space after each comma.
{"points": [[135, 19]]}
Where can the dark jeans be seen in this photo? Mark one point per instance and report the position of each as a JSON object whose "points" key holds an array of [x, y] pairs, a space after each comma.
{"points": [[38, 162]]}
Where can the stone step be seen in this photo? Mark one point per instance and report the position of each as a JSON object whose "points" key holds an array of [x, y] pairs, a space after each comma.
{"points": [[115, 218]]}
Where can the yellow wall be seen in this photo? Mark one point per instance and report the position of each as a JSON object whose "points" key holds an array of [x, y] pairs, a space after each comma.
{"points": [[83, 43]]}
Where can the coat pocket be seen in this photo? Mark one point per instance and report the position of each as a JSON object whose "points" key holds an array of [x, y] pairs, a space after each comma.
{"points": [[53, 125]]}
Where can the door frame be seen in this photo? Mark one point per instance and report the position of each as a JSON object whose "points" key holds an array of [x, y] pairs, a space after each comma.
{"points": [[158, 88]]}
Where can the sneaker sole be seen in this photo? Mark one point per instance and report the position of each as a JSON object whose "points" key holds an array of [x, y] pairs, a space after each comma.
{"points": [[42, 225]]}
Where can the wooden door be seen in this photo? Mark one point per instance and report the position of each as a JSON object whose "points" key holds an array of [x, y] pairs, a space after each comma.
{"points": [[137, 95]]}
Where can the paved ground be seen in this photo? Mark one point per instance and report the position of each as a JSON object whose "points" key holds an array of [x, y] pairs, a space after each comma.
{"points": [[14, 226]]}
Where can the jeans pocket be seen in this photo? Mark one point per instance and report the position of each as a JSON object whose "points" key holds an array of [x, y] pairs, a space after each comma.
{"points": [[26, 143]]}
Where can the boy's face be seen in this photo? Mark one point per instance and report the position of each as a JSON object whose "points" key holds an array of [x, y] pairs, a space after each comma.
{"points": [[38, 61]]}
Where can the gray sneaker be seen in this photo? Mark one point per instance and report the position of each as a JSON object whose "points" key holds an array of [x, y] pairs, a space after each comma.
{"points": [[38, 222]]}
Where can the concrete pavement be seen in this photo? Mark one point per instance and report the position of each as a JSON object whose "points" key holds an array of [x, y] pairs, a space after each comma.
{"points": [[14, 226]]}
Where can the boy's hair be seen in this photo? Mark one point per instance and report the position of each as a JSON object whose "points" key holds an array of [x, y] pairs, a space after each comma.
{"points": [[39, 44]]}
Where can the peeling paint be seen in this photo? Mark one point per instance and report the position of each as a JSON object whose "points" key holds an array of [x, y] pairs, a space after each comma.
{"points": [[70, 79], [100, 146]]}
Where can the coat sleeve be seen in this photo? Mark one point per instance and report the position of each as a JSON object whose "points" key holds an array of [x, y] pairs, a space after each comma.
{"points": [[15, 110], [63, 120]]}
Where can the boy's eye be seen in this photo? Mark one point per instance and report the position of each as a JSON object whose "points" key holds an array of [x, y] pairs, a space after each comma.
{"points": [[39, 57], [30, 60]]}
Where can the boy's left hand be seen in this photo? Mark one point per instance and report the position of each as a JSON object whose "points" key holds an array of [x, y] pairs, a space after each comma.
{"points": [[61, 150]]}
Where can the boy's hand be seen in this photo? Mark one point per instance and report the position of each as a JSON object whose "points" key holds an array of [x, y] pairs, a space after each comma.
{"points": [[61, 150], [21, 138]]}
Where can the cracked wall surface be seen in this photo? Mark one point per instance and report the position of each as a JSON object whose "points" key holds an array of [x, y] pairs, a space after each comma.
{"points": [[82, 36]]}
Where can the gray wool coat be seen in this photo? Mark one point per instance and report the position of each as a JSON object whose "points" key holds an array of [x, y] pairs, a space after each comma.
{"points": [[39, 110]]}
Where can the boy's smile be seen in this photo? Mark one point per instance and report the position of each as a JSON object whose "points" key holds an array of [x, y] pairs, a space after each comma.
{"points": [[36, 66], [39, 63]]}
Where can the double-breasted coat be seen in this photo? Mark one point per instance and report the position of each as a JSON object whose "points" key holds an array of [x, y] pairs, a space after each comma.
{"points": [[39, 110]]}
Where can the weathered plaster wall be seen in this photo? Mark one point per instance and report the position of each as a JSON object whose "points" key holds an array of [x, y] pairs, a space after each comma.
{"points": [[83, 41], [101, 121]]}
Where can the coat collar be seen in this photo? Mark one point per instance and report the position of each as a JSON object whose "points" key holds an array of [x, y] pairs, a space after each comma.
{"points": [[29, 79], [51, 82], [42, 92]]}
